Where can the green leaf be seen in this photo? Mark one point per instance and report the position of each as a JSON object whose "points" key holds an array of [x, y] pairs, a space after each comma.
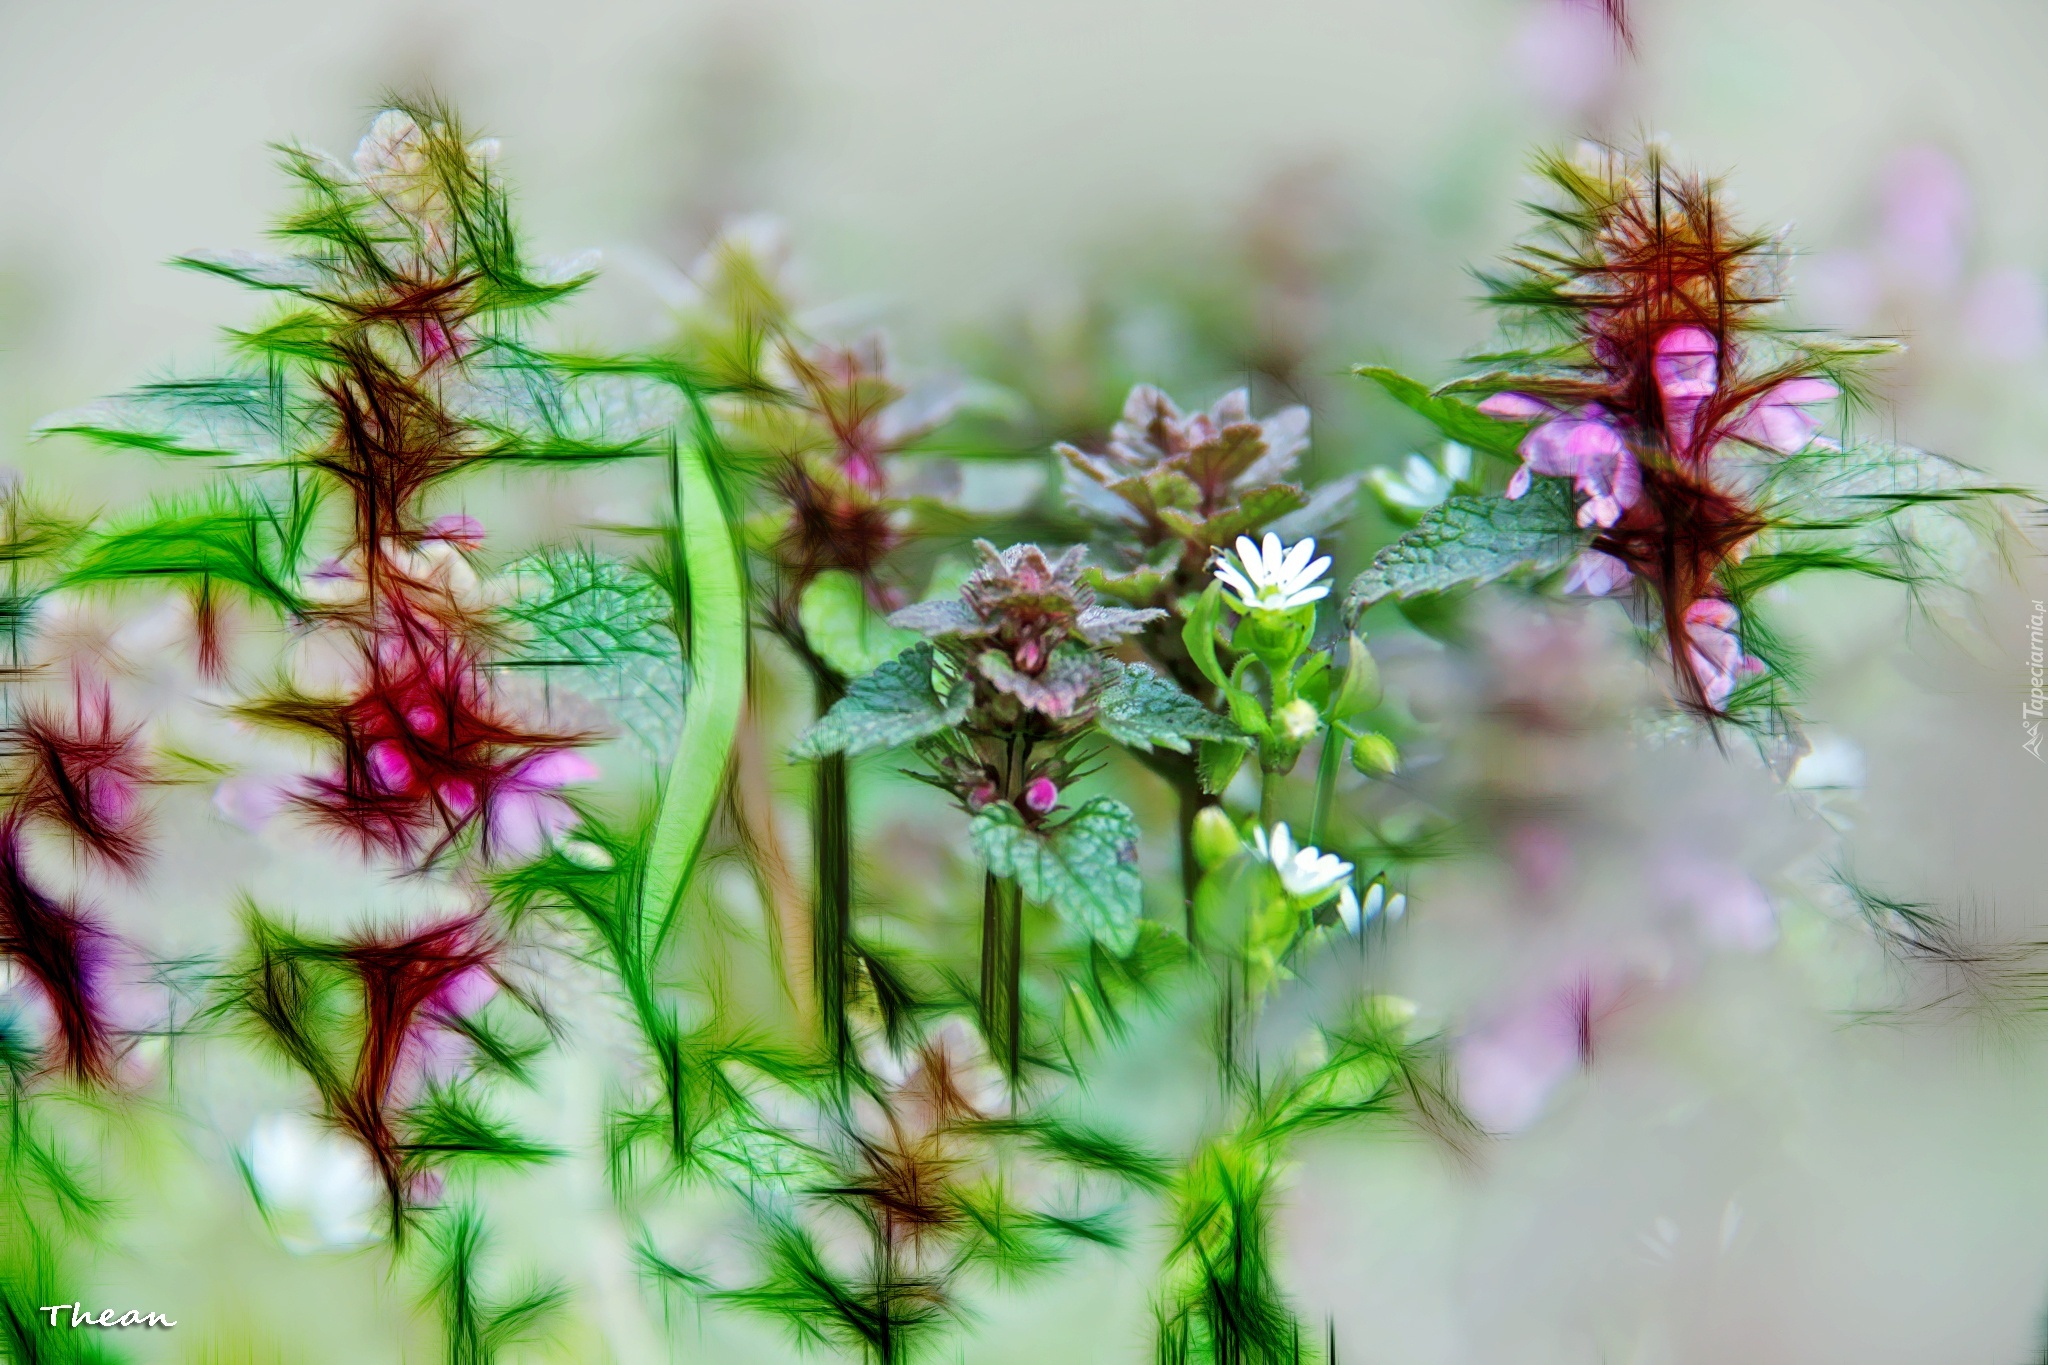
{"points": [[844, 630], [230, 416], [232, 534], [610, 627], [1359, 690], [713, 573], [450, 1123], [895, 704], [1085, 868], [1468, 541], [1141, 709], [1217, 761], [1462, 422], [1199, 634]]}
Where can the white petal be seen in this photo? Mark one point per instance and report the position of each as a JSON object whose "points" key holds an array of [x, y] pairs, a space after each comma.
{"points": [[1248, 555], [1229, 577], [1348, 912], [1297, 556], [1312, 572]]}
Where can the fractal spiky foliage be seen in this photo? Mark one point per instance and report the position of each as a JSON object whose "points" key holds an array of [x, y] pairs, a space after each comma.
{"points": [[792, 905]]}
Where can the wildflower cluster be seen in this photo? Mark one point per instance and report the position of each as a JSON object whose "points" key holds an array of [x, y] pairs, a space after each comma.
{"points": [[885, 1128], [1677, 420]]}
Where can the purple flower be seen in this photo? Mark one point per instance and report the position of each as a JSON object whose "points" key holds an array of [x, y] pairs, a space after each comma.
{"points": [[1596, 574], [525, 814], [1041, 795], [1580, 446], [1688, 370], [1714, 650], [1778, 420]]}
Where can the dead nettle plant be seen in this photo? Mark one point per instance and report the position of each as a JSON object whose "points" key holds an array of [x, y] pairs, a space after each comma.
{"points": [[1660, 431], [395, 362], [1006, 704], [869, 1226], [1171, 495], [807, 433], [75, 998]]}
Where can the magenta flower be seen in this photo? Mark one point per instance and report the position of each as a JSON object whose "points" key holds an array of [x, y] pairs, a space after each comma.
{"points": [[1041, 795], [464, 532], [1596, 574], [525, 813], [1779, 421], [1581, 446], [1715, 651], [1688, 370]]}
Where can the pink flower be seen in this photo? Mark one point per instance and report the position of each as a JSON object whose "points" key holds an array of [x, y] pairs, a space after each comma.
{"points": [[251, 801], [390, 767], [1778, 419], [1596, 574], [525, 814], [1507, 1070], [1040, 795], [462, 531], [1688, 370], [1580, 446], [1727, 904], [1715, 651]]}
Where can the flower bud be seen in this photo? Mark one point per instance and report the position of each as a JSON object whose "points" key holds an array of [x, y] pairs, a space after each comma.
{"points": [[1040, 795], [1215, 839], [981, 796], [1375, 755], [1296, 721]]}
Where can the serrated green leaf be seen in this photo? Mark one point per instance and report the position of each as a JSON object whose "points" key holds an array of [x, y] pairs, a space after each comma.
{"points": [[1141, 710], [844, 630], [895, 704], [1467, 541], [1462, 422], [607, 630], [1085, 868]]}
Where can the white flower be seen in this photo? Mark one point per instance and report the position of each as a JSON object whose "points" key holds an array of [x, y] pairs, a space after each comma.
{"points": [[1422, 484], [316, 1186], [1307, 874], [1268, 578]]}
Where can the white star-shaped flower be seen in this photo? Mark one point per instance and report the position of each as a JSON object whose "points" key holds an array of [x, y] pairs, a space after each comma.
{"points": [[1269, 578], [1309, 875], [1423, 483]]}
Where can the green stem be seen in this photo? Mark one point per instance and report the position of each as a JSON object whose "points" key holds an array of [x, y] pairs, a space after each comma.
{"points": [[1002, 935], [1269, 796], [1002, 968], [832, 913], [1326, 785]]}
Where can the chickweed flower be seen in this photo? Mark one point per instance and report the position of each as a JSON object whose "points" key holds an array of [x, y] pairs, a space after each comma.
{"points": [[1422, 483], [1268, 578], [1309, 875]]}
